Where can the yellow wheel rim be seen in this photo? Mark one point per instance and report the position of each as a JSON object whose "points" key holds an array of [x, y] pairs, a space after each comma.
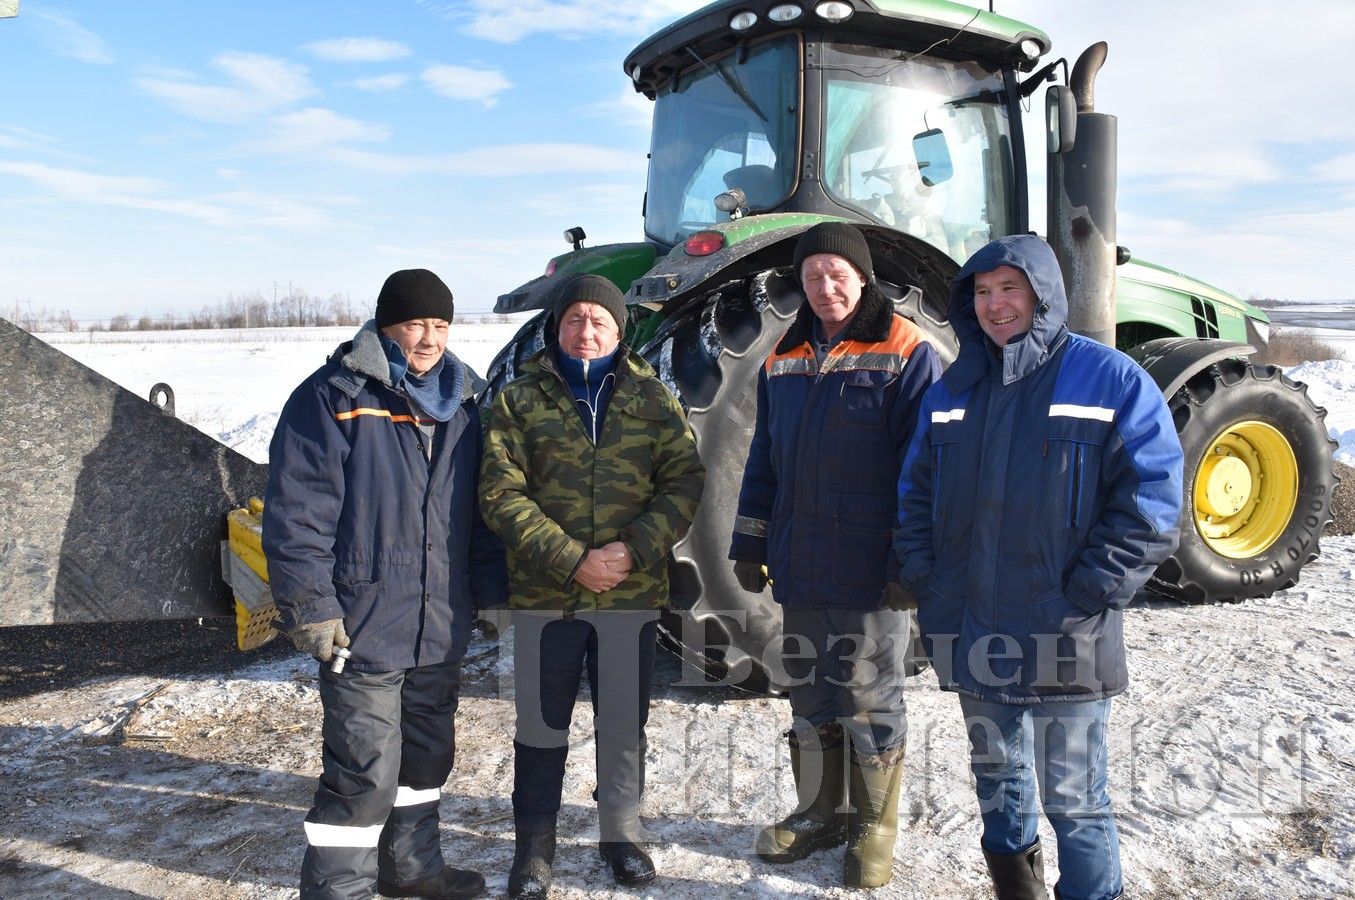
{"points": [[1246, 487]]}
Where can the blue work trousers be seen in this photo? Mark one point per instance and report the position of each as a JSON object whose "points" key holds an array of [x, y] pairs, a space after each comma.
{"points": [[1056, 752]]}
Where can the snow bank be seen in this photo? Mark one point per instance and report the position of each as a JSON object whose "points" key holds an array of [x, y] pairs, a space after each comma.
{"points": [[1331, 384]]}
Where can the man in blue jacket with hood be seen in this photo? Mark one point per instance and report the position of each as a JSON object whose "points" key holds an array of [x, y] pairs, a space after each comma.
{"points": [[1041, 490], [374, 542]]}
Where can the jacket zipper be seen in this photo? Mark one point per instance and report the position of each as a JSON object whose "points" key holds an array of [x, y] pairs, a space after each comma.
{"points": [[937, 458], [1075, 489]]}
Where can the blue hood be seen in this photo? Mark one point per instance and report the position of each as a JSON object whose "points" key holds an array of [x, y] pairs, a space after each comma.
{"points": [[1023, 355]]}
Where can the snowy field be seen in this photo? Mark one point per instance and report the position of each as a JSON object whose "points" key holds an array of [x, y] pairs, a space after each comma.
{"points": [[1232, 753], [232, 383]]}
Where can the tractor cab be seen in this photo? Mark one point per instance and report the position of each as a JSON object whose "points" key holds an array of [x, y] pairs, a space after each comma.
{"points": [[874, 115]]}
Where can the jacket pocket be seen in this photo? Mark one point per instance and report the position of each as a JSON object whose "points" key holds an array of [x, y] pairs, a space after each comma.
{"points": [[1072, 465], [941, 461], [861, 399], [359, 601], [863, 527]]}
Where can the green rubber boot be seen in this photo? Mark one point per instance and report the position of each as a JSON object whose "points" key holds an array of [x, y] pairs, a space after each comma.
{"points": [[816, 823], [873, 821]]}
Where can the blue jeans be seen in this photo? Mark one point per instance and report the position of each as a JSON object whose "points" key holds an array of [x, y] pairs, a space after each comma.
{"points": [[1068, 743]]}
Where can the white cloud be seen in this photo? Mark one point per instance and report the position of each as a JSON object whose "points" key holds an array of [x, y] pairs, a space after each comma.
{"points": [[482, 86], [112, 190], [16, 137], [258, 85], [629, 109], [381, 83], [67, 37], [239, 209], [508, 23], [309, 129], [1290, 255], [1338, 168], [357, 49], [500, 161]]}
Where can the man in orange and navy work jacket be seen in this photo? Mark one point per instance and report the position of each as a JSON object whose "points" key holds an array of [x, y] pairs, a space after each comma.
{"points": [[837, 402]]}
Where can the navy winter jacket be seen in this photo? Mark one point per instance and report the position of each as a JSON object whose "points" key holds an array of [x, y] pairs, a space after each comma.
{"points": [[817, 503], [359, 523], [1042, 489]]}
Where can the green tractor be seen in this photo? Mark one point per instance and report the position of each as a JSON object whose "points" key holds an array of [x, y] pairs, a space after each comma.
{"points": [[906, 118]]}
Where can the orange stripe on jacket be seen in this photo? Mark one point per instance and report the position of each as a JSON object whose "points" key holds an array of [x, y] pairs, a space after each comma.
{"points": [[904, 336], [380, 413]]}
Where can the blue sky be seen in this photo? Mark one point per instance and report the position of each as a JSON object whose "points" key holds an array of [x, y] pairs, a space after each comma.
{"points": [[156, 157]]}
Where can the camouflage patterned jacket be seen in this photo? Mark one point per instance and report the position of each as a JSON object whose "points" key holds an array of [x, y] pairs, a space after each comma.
{"points": [[551, 495]]}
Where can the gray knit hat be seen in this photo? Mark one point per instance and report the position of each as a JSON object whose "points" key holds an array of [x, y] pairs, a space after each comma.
{"points": [[840, 238], [590, 289], [413, 294]]}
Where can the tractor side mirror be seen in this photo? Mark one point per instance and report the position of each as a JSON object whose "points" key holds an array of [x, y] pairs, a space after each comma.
{"points": [[1060, 119], [933, 157]]}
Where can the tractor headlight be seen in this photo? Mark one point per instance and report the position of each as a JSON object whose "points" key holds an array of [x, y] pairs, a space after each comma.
{"points": [[1030, 48], [785, 12], [743, 20], [834, 11]]}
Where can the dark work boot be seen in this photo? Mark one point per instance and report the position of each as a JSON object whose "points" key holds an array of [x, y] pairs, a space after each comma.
{"points": [[873, 822], [447, 884], [816, 822], [529, 878], [631, 865], [1017, 876]]}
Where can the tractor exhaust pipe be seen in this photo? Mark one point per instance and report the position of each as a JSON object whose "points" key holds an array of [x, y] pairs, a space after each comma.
{"points": [[1081, 206]]}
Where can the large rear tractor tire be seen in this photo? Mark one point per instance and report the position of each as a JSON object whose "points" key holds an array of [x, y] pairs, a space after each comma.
{"points": [[1258, 484]]}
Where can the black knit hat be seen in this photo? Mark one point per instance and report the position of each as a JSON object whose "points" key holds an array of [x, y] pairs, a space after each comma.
{"points": [[840, 238], [412, 294], [590, 289]]}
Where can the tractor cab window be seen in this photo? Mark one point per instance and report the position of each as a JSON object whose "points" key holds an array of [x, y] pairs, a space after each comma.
{"points": [[723, 124], [919, 144]]}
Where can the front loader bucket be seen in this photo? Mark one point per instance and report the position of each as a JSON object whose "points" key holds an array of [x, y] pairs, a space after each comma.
{"points": [[110, 508]]}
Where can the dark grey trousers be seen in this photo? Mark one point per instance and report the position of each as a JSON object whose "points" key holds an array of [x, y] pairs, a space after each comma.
{"points": [[388, 749], [550, 654], [847, 666]]}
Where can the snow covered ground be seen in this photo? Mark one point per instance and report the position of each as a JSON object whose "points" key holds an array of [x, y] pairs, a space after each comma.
{"points": [[232, 384], [1232, 757]]}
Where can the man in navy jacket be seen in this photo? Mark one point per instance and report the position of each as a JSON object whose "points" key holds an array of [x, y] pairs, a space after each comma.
{"points": [[1042, 488], [374, 543], [837, 404]]}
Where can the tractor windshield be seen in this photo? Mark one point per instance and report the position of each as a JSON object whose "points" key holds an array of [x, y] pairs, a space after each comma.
{"points": [[919, 144], [723, 125]]}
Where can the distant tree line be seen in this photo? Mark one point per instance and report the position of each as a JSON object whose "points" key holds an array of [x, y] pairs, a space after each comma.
{"points": [[295, 309]]}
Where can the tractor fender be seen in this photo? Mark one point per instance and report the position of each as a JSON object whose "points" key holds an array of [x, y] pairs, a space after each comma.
{"points": [[679, 275], [619, 263], [1172, 361], [898, 258]]}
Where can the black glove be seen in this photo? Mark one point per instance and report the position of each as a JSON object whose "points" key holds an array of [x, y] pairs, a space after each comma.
{"points": [[751, 575], [319, 638], [897, 597], [496, 618]]}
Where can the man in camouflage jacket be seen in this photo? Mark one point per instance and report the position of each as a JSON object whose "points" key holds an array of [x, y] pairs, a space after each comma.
{"points": [[590, 476]]}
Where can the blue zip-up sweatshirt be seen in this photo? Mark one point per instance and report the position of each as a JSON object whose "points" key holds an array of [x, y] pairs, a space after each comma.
{"points": [[1041, 490], [360, 523], [817, 503]]}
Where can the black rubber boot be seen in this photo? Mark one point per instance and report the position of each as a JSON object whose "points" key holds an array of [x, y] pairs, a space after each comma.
{"points": [[448, 884], [529, 878], [816, 823], [631, 865], [1018, 876]]}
